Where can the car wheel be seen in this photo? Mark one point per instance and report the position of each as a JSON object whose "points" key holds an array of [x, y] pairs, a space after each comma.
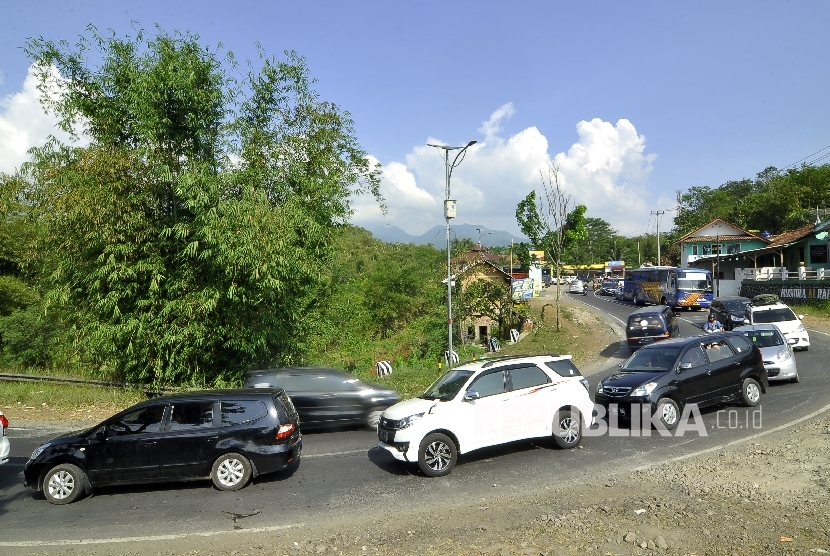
{"points": [[373, 417], [567, 428], [795, 379], [64, 484], [437, 455], [669, 413], [231, 472], [751, 392]]}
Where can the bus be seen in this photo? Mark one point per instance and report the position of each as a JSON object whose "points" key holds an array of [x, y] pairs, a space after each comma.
{"points": [[689, 288]]}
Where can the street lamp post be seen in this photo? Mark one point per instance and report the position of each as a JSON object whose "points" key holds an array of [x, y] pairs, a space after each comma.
{"points": [[717, 265], [449, 212]]}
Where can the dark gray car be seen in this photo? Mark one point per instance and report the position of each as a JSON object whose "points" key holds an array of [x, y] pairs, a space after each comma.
{"points": [[729, 310], [327, 397]]}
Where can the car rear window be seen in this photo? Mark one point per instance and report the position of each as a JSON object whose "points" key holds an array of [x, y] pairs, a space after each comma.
{"points": [[563, 367], [636, 322], [242, 412]]}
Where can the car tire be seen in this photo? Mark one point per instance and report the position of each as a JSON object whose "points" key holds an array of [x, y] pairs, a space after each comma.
{"points": [[231, 472], [372, 418], [567, 428], [795, 379], [751, 392], [437, 455], [668, 412], [64, 484]]}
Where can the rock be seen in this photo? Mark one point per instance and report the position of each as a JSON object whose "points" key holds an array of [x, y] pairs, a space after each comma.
{"points": [[650, 545], [630, 537], [660, 542], [644, 544]]}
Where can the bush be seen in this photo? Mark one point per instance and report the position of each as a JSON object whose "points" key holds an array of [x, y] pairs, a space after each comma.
{"points": [[28, 337]]}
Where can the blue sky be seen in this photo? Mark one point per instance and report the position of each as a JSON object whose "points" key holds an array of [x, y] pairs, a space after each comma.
{"points": [[631, 100]]}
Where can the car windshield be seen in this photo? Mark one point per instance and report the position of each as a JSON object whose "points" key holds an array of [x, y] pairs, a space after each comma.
{"points": [[694, 282], [651, 359], [765, 338], [773, 315], [448, 386], [737, 306]]}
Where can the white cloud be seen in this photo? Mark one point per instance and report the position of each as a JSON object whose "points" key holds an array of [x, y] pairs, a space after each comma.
{"points": [[607, 169], [24, 124]]}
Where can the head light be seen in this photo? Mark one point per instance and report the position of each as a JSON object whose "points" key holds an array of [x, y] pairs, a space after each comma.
{"points": [[39, 450], [783, 355], [408, 421], [644, 389]]}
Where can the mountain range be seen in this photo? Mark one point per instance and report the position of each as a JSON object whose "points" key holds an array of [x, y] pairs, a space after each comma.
{"points": [[437, 236]]}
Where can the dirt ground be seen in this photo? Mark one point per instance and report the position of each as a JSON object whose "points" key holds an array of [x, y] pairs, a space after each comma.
{"points": [[768, 495]]}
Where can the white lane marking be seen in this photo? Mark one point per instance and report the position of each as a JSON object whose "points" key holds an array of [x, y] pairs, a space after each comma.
{"points": [[70, 542], [735, 442]]}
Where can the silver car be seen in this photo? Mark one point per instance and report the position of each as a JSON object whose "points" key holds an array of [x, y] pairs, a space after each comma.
{"points": [[777, 351]]}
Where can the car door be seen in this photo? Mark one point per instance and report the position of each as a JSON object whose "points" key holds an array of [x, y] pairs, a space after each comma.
{"points": [[724, 367], [529, 406], [126, 448], [186, 448], [693, 375], [487, 419], [342, 398]]}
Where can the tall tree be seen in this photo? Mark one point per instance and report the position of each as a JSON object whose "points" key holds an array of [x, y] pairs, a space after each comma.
{"points": [[555, 225], [189, 233]]}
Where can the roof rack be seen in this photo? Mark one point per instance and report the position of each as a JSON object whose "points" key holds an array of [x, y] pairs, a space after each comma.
{"points": [[765, 299], [509, 357]]}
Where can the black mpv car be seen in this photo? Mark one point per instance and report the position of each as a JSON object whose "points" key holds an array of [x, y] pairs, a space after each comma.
{"points": [[650, 324], [227, 436], [666, 376]]}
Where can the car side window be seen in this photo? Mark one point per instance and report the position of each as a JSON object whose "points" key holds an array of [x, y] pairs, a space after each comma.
{"points": [[489, 384], [525, 377], [242, 412], [693, 357], [144, 420], [740, 344], [718, 351], [187, 416]]}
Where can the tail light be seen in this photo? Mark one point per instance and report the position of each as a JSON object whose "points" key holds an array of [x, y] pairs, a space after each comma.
{"points": [[4, 423], [285, 430]]}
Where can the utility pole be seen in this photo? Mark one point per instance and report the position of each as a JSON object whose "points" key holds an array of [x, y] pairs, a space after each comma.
{"points": [[658, 213]]}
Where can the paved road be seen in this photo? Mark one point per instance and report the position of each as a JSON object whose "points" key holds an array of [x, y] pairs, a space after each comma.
{"points": [[342, 472]]}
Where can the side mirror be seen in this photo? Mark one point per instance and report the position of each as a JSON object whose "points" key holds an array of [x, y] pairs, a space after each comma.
{"points": [[800, 317], [100, 434], [684, 366], [792, 341], [471, 395]]}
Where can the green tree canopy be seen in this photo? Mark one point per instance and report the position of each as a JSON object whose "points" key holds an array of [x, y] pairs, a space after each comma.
{"points": [[188, 235]]}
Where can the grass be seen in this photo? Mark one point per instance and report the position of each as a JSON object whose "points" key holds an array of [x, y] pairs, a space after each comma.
{"points": [[41, 400]]}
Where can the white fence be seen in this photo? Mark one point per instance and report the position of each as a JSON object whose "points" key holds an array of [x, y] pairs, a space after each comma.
{"points": [[781, 273]]}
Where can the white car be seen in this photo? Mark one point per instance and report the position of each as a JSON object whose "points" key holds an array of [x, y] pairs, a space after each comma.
{"points": [[4, 440], [783, 317], [577, 286], [487, 403]]}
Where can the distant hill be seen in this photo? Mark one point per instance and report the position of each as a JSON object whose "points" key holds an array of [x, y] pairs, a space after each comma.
{"points": [[437, 236]]}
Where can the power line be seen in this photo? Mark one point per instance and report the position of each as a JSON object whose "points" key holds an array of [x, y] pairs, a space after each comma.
{"points": [[810, 156]]}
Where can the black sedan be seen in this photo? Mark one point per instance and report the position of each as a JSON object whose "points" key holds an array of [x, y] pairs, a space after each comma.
{"points": [[327, 397], [730, 310], [662, 378]]}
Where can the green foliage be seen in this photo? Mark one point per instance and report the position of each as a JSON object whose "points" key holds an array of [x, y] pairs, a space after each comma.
{"points": [[187, 238], [28, 337], [775, 201]]}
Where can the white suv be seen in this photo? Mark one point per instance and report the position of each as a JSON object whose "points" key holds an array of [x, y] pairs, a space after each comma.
{"points": [[486, 403], [783, 317]]}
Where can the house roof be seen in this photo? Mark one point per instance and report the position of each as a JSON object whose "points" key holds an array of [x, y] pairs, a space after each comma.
{"points": [[780, 242], [792, 236], [745, 234], [476, 263]]}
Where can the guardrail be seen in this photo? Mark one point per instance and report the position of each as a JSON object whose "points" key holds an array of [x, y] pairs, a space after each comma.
{"points": [[82, 381]]}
